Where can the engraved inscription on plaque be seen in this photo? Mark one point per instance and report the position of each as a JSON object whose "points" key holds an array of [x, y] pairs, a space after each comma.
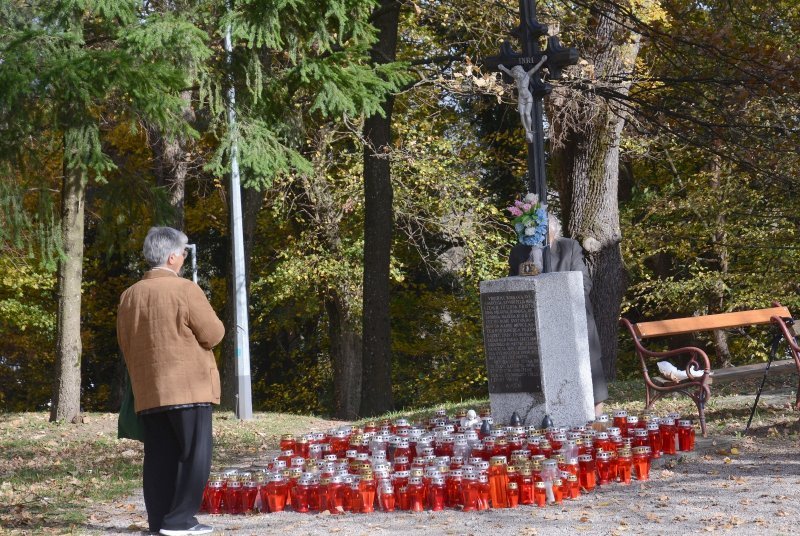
{"points": [[509, 339]]}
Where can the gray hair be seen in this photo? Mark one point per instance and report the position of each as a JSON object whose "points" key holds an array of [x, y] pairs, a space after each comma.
{"points": [[160, 243]]}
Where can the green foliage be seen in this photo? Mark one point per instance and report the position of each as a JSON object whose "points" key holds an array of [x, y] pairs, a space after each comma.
{"points": [[708, 212], [294, 25], [263, 154], [28, 226], [438, 348], [338, 85], [27, 321], [168, 37]]}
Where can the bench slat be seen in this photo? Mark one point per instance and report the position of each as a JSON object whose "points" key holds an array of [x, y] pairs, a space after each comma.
{"points": [[745, 371], [679, 326]]}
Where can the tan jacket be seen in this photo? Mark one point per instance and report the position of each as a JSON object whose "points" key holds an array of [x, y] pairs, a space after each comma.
{"points": [[166, 329]]}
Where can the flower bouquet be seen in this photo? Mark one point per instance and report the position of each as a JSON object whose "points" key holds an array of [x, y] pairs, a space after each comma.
{"points": [[530, 220], [530, 223]]}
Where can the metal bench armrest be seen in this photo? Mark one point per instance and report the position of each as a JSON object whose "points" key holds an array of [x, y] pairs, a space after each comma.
{"points": [[644, 352]]}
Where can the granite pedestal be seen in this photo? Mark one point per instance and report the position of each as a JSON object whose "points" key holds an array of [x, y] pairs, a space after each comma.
{"points": [[537, 348]]}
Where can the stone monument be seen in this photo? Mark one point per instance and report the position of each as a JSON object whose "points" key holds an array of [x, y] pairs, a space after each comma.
{"points": [[537, 349]]}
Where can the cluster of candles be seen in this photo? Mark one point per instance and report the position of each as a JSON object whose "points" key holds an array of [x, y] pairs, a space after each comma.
{"points": [[462, 462]]}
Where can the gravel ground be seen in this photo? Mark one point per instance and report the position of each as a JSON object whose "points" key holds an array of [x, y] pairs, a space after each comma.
{"points": [[727, 485]]}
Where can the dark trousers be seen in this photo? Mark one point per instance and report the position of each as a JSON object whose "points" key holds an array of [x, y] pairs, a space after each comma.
{"points": [[177, 461]]}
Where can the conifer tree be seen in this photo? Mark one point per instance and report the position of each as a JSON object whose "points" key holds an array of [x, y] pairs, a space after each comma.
{"points": [[67, 63]]}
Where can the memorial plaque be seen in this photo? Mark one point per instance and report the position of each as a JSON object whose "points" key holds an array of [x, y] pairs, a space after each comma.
{"points": [[509, 335], [537, 348]]}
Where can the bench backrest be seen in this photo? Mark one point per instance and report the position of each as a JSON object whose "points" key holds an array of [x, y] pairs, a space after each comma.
{"points": [[677, 326]]}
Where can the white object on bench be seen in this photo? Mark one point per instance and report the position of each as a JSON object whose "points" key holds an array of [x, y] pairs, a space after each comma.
{"points": [[671, 372]]}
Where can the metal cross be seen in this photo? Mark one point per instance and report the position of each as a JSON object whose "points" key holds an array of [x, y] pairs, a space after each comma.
{"points": [[554, 58]]}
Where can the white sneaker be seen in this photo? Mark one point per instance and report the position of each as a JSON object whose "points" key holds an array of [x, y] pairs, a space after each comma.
{"points": [[197, 529]]}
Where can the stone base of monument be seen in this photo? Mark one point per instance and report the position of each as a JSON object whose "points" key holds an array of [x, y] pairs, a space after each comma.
{"points": [[537, 349]]}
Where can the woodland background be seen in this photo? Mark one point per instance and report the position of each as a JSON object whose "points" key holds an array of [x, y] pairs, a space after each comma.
{"points": [[377, 160]]}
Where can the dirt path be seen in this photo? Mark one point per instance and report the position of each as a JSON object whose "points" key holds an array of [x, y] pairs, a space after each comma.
{"points": [[728, 486]]}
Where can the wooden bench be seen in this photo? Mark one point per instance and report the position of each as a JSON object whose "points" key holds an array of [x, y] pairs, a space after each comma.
{"points": [[698, 388]]}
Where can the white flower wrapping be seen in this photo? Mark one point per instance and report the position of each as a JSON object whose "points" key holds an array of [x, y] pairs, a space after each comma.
{"points": [[671, 372]]}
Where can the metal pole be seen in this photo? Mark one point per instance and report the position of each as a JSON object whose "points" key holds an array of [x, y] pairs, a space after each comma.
{"points": [[244, 402], [776, 340], [193, 248]]}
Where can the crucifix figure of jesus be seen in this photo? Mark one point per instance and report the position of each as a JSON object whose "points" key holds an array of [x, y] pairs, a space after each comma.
{"points": [[525, 103]]}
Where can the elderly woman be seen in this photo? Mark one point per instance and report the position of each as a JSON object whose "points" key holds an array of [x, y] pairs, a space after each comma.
{"points": [[566, 255], [166, 329]]}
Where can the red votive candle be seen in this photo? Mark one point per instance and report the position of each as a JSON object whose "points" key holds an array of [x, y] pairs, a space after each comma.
{"points": [[387, 499], [641, 463], [588, 472], [558, 491], [621, 421], [483, 492], [513, 494], [574, 487], [249, 494], [233, 497], [624, 466], [470, 493], [669, 435], [437, 494], [539, 494], [654, 438], [604, 468], [214, 497], [686, 435]]}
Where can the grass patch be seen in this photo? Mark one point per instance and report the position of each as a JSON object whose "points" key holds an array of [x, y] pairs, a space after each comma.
{"points": [[51, 473]]}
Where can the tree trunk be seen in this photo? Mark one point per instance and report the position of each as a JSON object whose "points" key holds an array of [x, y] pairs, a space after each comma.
{"points": [[376, 392], [344, 337], [171, 163], [585, 164], [67, 390], [251, 204], [717, 301], [345, 348]]}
